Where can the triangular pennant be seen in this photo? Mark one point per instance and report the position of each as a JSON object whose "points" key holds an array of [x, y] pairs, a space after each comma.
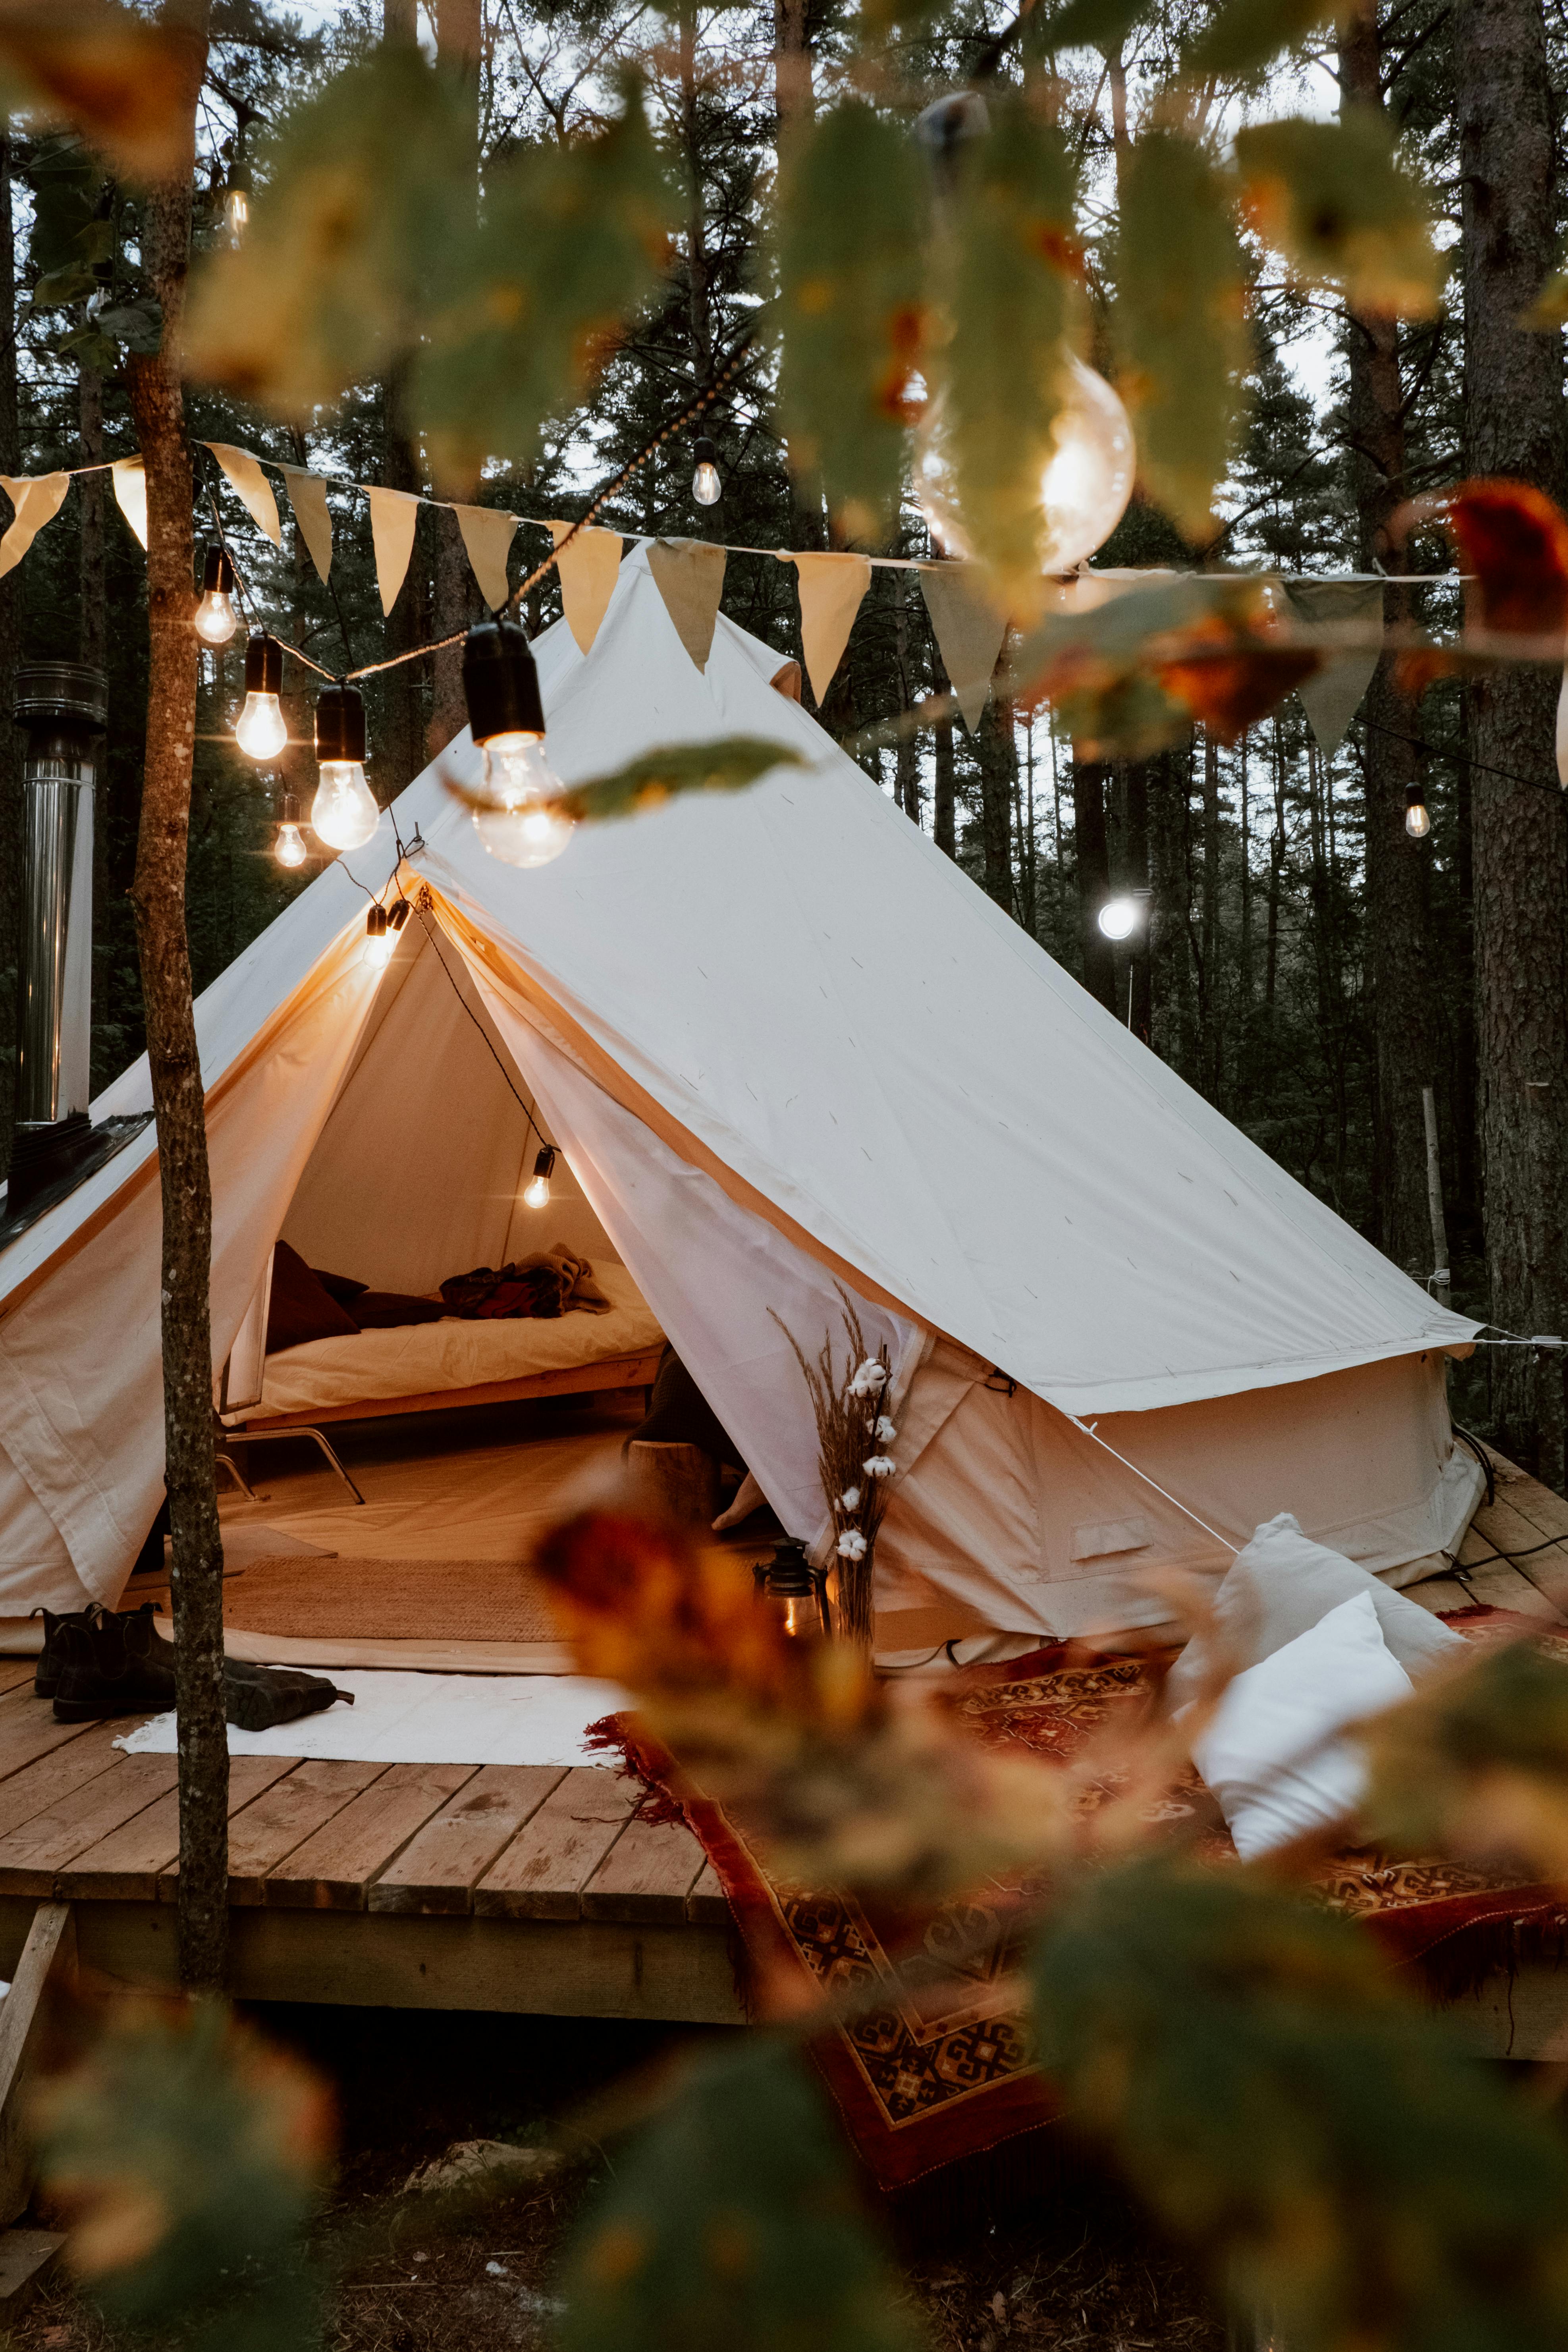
{"points": [[689, 574], [969, 632], [487, 534], [831, 590], [131, 494], [1348, 609], [307, 496], [588, 571], [246, 477], [392, 515], [37, 498]]}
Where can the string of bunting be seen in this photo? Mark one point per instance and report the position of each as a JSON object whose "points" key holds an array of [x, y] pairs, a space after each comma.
{"points": [[968, 626]]}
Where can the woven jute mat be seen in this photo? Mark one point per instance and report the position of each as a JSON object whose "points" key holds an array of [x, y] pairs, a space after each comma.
{"points": [[346, 1600]]}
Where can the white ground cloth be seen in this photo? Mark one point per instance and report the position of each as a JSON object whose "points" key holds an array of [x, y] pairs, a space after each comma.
{"points": [[399, 1719]]}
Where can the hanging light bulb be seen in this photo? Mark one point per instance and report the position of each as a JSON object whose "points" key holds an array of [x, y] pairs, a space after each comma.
{"points": [[706, 486], [214, 619], [524, 823], [379, 941], [1417, 824], [1085, 483], [262, 730], [237, 201], [289, 848], [344, 814], [536, 1191]]}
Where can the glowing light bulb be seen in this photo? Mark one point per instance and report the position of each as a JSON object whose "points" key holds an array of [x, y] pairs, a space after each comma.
{"points": [[344, 814], [1118, 919], [237, 211], [215, 620], [289, 848], [1417, 824], [379, 941], [524, 826], [262, 730], [536, 1191], [706, 486], [1085, 483]]}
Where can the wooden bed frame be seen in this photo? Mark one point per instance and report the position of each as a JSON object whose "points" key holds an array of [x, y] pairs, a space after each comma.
{"points": [[636, 1371]]}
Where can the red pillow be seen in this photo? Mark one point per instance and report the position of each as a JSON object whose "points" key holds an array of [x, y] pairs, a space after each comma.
{"points": [[300, 1309]]}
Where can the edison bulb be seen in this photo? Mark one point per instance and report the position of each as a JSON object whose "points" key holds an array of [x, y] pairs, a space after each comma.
{"points": [[536, 1193], [289, 847], [706, 486], [262, 730], [524, 826], [1417, 824], [1085, 483], [215, 620], [237, 211], [378, 950], [1117, 918], [344, 814]]}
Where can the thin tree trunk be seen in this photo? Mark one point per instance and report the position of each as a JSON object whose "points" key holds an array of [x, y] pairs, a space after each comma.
{"points": [[459, 40], [158, 895], [10, 647], [907, 778], [1212, 1029], [794, 96], [1140, 947], [998, 776], [1169, 972], [1513, 426], [1091, 859], [944, 821], [400, 748]]}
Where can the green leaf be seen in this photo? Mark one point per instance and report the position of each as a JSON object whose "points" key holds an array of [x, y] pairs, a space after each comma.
{"points": [[732, 2224], [65, 182], [1244, 36], [1477, 1763], [573, 239], [90, 349], [1335, 199], [137, 325], [850, 225], [1180, 323], [728, 764], [97, 241], [1321, 2140], [1097, 23], [1012, 268], [364, 207], [73, 283]]}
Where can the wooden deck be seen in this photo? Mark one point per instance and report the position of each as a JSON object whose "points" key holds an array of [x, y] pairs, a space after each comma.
{"points": [[498, 1886], [405, 1886]]}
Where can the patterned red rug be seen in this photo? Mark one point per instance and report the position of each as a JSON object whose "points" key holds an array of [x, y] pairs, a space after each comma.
{"points": [[945, 2069]]}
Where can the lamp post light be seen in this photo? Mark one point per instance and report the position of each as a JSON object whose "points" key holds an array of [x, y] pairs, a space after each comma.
{"points": [[1119, 920]]}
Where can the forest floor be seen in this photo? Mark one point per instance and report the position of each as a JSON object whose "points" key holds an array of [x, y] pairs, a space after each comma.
{"points": [[992, 2262]]}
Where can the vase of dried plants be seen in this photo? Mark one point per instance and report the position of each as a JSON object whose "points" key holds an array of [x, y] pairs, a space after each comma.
{"points": [[848, 1401]]}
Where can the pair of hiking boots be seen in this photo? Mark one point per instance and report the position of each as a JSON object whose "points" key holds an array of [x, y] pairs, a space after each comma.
{"points": [[96, 1662]]}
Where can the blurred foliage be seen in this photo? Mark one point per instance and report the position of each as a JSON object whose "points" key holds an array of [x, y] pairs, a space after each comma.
{"points": [[734, 2220], [851, 309], [188, 2156], [1324, 2142], [1476, 1763], [1337, 203], [125, 84], [1181, 323], [728, 764]]}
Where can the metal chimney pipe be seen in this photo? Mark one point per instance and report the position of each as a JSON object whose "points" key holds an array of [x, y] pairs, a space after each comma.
{"points": [[63, 707]]}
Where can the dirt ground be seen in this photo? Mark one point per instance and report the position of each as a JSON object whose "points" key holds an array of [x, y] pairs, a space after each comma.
{"points": [[1009, 2254]]}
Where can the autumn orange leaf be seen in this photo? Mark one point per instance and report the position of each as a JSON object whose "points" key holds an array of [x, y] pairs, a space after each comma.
{"points": [[1515, 541], [1230, 689], [125, 84]]}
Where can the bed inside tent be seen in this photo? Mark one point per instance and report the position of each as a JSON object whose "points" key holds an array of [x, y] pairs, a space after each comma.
{"points": [[788, 1052]]}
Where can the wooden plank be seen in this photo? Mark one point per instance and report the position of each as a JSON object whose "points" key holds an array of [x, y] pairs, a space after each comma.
{"points": [[39, 1786], [439, 1870], [1511, 1525], [126, 1865], [33, 1855], [28, 1731], [266, 1828], [614, 1372], [1499, 1582], [707, 1906], [16, 1672], [647, 1873], [333, 1868], [50, 1951], [1437, 1594], [542, 1872]]}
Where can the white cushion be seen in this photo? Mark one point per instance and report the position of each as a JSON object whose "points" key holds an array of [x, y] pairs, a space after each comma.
{"points": [[1281, 1585], [1268, 1752]]}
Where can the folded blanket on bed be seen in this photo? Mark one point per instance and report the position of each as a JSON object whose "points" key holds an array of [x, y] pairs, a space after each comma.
{"points": [[543, 1285]]}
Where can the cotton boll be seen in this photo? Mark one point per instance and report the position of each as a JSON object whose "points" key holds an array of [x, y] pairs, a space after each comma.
{"points": [[852, 1544], [850, 1500], [885, 1430]]}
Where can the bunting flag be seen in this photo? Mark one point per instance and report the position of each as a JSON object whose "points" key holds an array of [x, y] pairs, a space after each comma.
{"points": [[245, 477], [1347, 609], [487, 534], [37, 498], [588, 571], [689, 574], [831, 590], [969, 631], [131, 494], [308, 496], [392, 515]]}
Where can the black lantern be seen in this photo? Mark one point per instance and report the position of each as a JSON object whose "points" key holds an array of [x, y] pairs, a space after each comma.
{"points": [[340, 723], [501, 682], [215, 620], [795, 1592]]}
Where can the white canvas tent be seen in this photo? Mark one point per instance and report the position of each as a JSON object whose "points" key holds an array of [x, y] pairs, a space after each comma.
{"points": [[783, 1042]]}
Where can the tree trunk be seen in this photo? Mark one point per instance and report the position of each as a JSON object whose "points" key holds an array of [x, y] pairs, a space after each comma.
{"points": [[1092, 862], [794, 96], [998, 776], [400, 750], [1140, 947], [1395, 865], [460, 42], [907, 778], [1210, 1014], [944, 819], [10, 648], [158, 895], [1513, 426], [1169, 974]]}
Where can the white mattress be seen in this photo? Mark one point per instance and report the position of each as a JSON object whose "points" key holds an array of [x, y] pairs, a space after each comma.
{"points": [[420, 1358]]}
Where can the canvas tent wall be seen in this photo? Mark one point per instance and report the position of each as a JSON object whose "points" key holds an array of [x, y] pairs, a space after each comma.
{"points": [[785, 1042]]}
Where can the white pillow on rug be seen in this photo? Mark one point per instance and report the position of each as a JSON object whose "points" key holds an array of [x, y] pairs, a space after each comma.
{"points": [[1279, 1586], [1270, 1754]]}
